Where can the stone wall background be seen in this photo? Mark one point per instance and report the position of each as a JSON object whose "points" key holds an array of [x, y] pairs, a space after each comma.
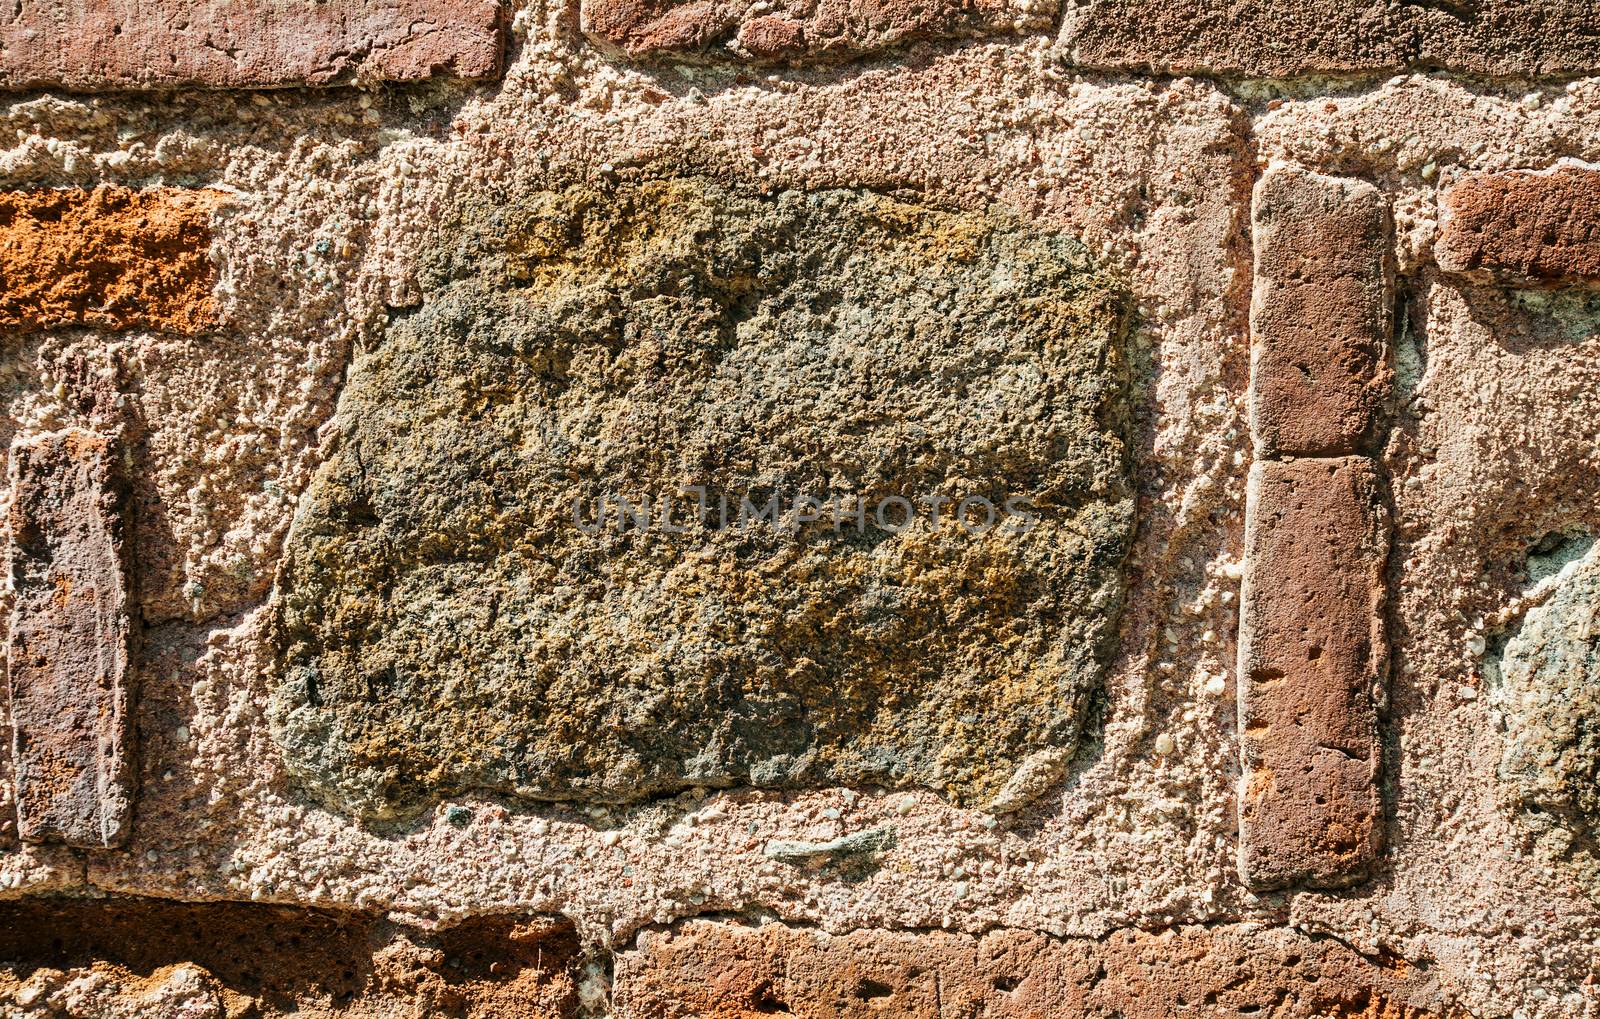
{"points": [[1347, 241]]}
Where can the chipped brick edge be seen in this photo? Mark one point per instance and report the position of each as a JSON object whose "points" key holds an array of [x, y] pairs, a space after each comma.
{"points": [[1524, 227], [122, 45], [68, 647]]}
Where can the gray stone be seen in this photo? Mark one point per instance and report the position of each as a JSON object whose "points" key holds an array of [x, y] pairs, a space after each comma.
{"points": [[449, 622], [1549, 690]]}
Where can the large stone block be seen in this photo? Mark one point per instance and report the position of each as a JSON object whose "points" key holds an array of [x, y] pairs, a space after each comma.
{"points": [[760, 31], [67, 659], [1286, 38], [1312, 658], [452, 618], [1530, 228], [111, 257], [92, 45], [1320, 313], [709, 970]]}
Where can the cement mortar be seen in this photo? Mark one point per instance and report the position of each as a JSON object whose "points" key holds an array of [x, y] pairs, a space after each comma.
{"points": [[336, 195]]}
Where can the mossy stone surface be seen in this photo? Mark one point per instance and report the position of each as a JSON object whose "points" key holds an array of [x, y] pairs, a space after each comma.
{"points": [[446, 625]]}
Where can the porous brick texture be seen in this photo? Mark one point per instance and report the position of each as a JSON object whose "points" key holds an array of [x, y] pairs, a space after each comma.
{"points": [[1285, 38], [97, 45], [978, 508], [1312, 661], [1319, 319], [711, 969], [112, 257], [761, 32], [67, 658], [144, 957], [1534, 229]]}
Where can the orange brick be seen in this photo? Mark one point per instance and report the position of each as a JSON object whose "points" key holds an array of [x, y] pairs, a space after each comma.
{"points": [[711, 970], [111, 257], [794, 30]]}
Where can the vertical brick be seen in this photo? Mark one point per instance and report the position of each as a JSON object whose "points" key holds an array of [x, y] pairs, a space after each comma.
{"points": [[1320, 317], [92, 45], [1538, 228], [110, 257], [1312, 654], [67, 665]]}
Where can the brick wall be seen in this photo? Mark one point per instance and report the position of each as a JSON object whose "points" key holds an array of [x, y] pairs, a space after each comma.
{"points": [[657, 508]]}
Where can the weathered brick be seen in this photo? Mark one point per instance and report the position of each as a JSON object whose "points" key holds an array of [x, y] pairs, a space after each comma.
{"points": [[709, 969], [1320, 314], [67, 667], [1540, 228], [745, 30], [1284, 38], [94, 45], [110, 257], [137, 957], [1312, 655]]}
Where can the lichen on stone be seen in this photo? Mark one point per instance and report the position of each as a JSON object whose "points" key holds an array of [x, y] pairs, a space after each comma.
{"points": [[450, 619], [1548, 686]]}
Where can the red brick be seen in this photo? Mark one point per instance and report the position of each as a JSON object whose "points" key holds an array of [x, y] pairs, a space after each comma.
{"points": [[1286, 38], [1312, 654], [111, 257], [1320, 317], [742, 30], [67, 668], [163, 959], [713, 970], [94, 45], [1538, 228]]}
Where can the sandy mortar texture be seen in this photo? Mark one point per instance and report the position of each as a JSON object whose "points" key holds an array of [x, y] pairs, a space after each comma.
{"points": [[384, 686]]}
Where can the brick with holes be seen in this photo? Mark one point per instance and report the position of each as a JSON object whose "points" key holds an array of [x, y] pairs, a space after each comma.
{"points": [[1320, 316], [1312, 661], [1541, 229]]}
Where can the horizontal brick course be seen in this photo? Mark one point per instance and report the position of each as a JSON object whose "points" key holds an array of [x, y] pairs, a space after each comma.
{"points": [[111, 257], [94, 45], [67, 665], [1311, 653], [1285, 38], [1320, 317], [726, 971], [743, 30], [1539, 228]]}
